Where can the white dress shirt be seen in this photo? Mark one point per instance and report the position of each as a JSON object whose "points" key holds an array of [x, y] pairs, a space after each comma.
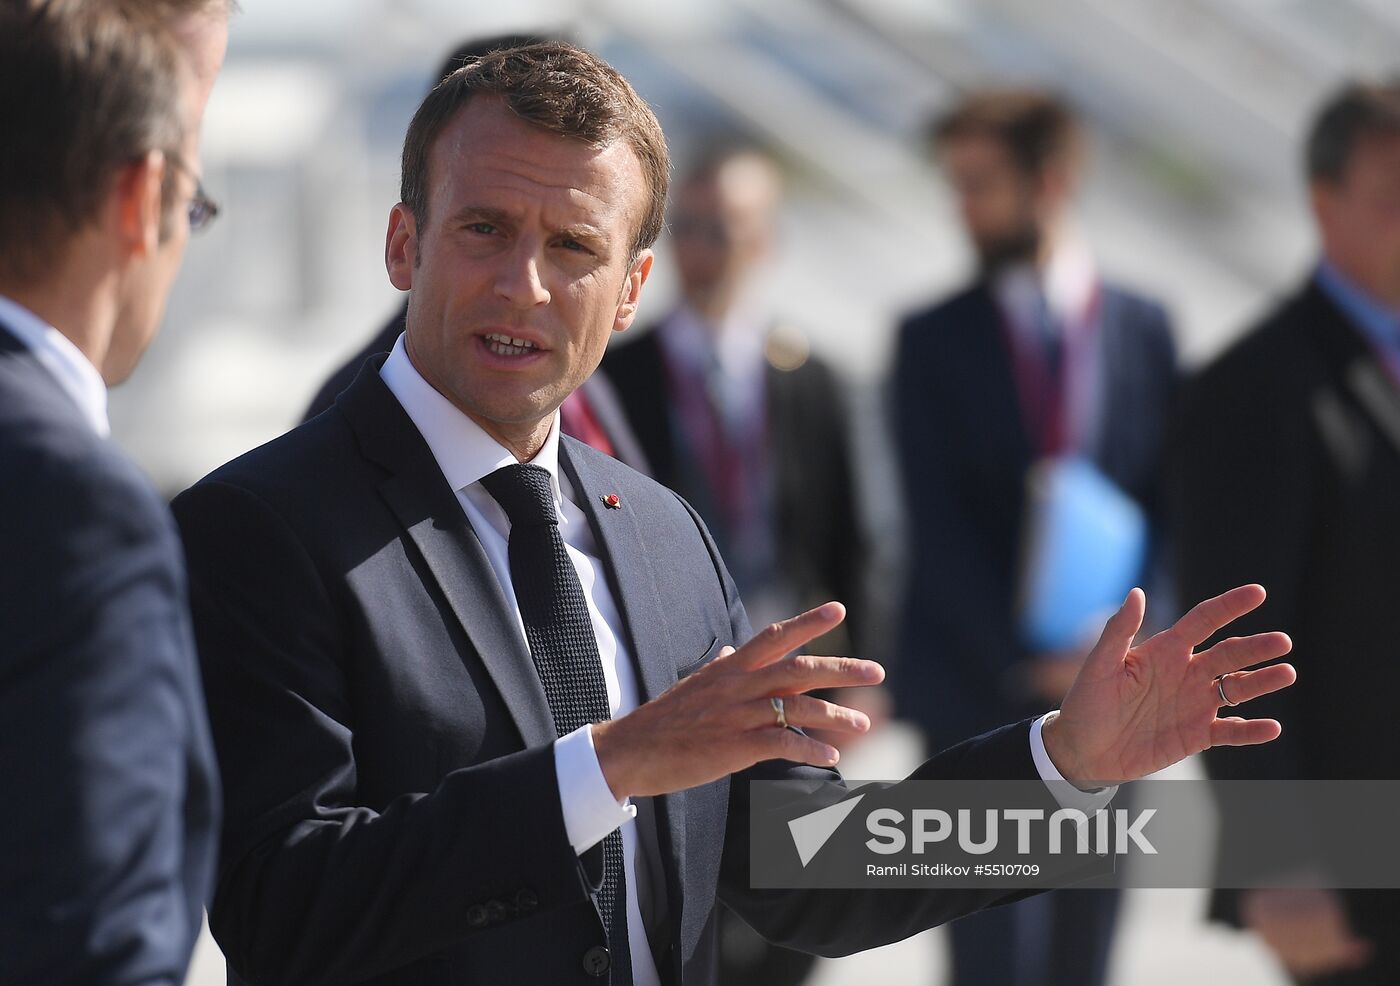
{"points": [[57, 353], [466, 454]]}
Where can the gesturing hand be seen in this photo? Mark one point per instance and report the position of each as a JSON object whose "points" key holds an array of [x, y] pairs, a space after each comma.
{"points": [[1134, 710], [721, 719]]}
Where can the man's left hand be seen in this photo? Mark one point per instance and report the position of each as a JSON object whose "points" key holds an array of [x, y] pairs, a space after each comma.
{"points": [[1135, 710]]}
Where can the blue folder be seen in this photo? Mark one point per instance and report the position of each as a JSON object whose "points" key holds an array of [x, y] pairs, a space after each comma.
{"points": [[1086, 547]]}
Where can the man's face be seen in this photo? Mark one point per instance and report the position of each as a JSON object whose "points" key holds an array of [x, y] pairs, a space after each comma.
{"points": [[521, 271], [721, 227], [148, 280], [1003, 209], [1359, 217]]}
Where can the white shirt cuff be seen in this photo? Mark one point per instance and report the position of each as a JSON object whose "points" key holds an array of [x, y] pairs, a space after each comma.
{"points": [[590, 810], [1063, 791]]}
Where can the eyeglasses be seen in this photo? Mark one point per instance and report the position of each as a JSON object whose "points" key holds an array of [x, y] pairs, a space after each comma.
{"points": [[202, 209]]}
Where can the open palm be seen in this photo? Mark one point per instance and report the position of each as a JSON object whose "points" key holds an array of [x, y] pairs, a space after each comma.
{"points": [[1136, 709]]}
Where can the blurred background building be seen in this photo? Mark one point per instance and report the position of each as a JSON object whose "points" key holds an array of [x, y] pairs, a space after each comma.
{"points": [[1196, 109]]}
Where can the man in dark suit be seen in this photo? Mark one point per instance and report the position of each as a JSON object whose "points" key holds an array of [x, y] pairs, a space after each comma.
{"points": [[1038, 358], [106, 767], [734, 411], [475, 686], [592, 414], [1286, 465]]}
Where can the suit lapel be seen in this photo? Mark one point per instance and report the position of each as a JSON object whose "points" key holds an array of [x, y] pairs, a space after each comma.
{"points": [[1357, 365], [434, 521], [995, 393], [628, 565], [1378, 394]]}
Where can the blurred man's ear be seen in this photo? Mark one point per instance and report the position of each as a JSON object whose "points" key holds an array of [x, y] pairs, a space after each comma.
{"points": [[401, 247], [1322, 196], [134, 204]]}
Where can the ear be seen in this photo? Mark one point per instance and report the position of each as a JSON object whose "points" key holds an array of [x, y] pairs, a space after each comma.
{"points": [[401, 247], [1322, 196], [135, 204], [632, 291]]}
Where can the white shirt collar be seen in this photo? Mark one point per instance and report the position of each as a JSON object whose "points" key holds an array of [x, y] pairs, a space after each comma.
{"points": [[1067, 284], [65, 361], [736, 344], [464, 452]]}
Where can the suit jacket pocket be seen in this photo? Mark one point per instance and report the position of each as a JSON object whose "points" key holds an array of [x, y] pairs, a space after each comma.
{"points": [[710, 653]]}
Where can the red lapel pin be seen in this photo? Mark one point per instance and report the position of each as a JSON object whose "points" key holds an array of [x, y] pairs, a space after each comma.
{"points": [[612, 501]]}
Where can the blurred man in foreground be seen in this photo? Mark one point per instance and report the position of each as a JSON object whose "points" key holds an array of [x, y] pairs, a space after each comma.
{"points": [[1287, 469], [106, 768], [1038, 363], [475, 686]]}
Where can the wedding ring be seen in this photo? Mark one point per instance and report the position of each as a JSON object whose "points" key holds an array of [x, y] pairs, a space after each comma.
{"points": [[779, 711], [1220, 687]]}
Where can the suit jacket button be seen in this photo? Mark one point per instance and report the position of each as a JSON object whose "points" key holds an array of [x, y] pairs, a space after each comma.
{"points": [[476, 916], [496, 910], [596, 960], [526, 900]]}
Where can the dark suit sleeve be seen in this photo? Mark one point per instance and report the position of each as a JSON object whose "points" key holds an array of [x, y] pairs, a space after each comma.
{"points": [[315, 886], [840, 922], [107, 833], [958, 633]]}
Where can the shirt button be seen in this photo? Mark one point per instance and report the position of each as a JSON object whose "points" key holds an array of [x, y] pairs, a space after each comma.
{"points": [[495, 911], [526, 899], [596, 960], [476, 916]]}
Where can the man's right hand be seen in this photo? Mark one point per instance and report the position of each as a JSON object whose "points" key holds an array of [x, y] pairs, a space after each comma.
{"points": [[1306, 928], [721, 719]]}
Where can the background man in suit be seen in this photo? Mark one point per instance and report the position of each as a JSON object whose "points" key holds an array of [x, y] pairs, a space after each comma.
{"points": [[1301, 421], [592, 414], [1037, 358], [477, 718], [738, 416], [735, 413], [107, 767]]}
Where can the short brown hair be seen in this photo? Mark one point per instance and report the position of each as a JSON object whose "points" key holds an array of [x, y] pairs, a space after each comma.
{"points": [[1359, 111], [1036, 128], [90, 86], [560, 88]]}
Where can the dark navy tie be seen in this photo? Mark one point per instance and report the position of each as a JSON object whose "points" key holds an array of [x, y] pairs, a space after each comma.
{"points": [[560, 634]]}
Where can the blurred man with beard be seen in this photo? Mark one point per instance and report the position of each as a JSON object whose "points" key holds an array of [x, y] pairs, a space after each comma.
{"points": [[1036, 360]]}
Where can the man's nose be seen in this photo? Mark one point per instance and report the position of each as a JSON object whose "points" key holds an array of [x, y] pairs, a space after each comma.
{"points": [[518, 281]]}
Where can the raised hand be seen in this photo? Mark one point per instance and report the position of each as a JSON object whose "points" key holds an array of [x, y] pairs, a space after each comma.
{"points": [[1134, 710], [721, 719]]}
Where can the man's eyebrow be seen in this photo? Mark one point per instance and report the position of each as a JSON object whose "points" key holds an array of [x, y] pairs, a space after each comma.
{"points": [[482, 213], [582, 231]]}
